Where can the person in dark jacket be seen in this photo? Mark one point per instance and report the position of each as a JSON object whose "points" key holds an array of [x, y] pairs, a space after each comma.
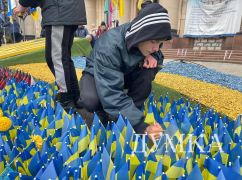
{"points": [[145, 2], [60, 20], [91, 38], [101, 29], [1, 28], [15, 31], [81, 32], [126, 58]]}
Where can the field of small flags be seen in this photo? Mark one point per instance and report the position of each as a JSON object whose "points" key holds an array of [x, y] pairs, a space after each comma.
{"points": [[40, 140]]}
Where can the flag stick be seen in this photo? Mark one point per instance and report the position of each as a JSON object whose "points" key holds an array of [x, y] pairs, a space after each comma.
{"points": [[117, 9], [4, 35], [35, 30], [24, 29]]}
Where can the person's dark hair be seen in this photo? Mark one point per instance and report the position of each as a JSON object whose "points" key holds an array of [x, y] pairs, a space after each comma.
{"points": [[103, 23], [144, 28], [117, 23], [145, 3]]}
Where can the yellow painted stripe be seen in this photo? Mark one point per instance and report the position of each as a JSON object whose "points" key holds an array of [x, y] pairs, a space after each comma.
{"points": [[11, 50]]}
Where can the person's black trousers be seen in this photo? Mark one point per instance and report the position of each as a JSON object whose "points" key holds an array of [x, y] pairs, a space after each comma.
{"points": [[1, 37], [138, 84], [17, 37], [59, 40]]}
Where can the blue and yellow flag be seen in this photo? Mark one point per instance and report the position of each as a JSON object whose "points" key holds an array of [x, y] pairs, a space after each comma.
{"points": [[121, 8], [151, 169], [34, 14], [149, 117], [99, 130], [107, 164], [11, 5], [93, 141], [50, 172], [139, 4], [195, 173], [176, 170], [124, 171], [139, 172], [121, 125], [35, 164], [97, 173], [212, 169], [93, 163]]}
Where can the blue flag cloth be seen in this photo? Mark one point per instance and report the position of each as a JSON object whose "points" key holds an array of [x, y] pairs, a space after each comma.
{"points": [[97, 174], [93, 163], [10, 9], [5, 174], [50, 172], [195, 174], [213, 168], [123, 173], [107, 164], [35, 164], [1, 7]]}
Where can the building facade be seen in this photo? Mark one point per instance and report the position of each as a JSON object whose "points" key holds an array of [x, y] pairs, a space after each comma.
{"points": [[177, 10], [95, 14]]}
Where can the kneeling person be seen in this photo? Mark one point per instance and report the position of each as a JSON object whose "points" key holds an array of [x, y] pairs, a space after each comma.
{"points": [[120, 70]]}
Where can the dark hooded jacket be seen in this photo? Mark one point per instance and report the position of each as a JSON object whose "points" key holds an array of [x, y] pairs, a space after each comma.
{"points": [[59, 12], [114, 55]]}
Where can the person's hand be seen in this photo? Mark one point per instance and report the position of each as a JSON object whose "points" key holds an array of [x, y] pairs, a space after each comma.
{"points": [[150, 62], [154, 131], [19, 10]]}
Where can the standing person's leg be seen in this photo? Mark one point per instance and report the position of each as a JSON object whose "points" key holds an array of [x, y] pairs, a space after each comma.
{"points": [[73, 77], [139, 84], [48, 48], [57, 57], [1, 36], [12, 38], [18, 37]]}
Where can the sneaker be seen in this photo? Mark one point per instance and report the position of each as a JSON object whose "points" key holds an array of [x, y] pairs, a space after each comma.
{"points": [[66, 101], [78, 104], [86, 116]]}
